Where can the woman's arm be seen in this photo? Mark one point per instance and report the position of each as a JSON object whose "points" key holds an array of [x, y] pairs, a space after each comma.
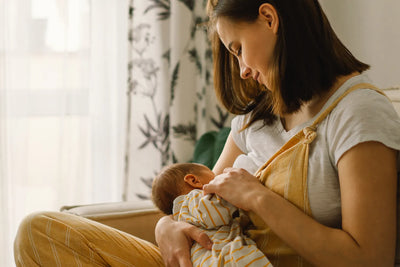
{"points": [[228, 155], [367, 175]]}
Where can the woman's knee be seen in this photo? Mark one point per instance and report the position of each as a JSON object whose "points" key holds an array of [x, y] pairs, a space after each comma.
{"points": [[31, 232], [32, 225]]}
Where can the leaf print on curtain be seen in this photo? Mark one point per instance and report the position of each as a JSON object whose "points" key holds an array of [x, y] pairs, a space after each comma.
{"points": [[171, 99]]}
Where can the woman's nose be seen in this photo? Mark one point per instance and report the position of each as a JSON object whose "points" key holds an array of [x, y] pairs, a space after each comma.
{"points": [[245, 72]]}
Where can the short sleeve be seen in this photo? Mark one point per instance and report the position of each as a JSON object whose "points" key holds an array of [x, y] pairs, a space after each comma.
{"points": [[239, 136], [363, 115]]}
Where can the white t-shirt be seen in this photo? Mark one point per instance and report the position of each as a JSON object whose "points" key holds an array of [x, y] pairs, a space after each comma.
{"points": [[363, 115]]}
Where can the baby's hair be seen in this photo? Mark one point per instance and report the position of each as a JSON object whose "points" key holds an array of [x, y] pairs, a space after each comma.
{"points": [[169, 184]]}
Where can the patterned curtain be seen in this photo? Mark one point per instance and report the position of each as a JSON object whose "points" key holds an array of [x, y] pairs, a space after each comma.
{"points": [[171, 100]]}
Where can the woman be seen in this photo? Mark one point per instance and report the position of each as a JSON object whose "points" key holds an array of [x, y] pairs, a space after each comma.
{"points": [[289, 48], [279, 65]]}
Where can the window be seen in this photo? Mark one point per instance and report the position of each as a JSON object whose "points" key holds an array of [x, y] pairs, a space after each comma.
{"points": [[63, 75]]}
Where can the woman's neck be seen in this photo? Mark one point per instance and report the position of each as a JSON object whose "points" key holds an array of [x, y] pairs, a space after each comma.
{"points": [[311, 108], [317, 103]]}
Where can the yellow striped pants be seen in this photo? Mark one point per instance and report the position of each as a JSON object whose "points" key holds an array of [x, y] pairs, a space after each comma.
{"points": [[61, 239]]}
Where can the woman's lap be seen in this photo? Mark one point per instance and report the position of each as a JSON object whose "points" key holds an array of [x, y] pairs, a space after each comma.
{"points": [[62, 239]]}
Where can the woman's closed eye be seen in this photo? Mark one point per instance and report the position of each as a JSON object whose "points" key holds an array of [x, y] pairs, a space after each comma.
{"points": [[238, 51]]}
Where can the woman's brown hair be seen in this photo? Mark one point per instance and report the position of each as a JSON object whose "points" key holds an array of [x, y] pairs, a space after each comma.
{"points": [[308, 58]]}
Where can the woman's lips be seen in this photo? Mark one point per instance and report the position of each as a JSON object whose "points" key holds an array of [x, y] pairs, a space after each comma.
{"points": [[256, 77]]}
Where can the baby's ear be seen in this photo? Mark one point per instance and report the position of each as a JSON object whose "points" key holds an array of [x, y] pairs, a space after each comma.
{"points": [[193, 181]]}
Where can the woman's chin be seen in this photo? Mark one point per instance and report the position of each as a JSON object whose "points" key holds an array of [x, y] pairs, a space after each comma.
{"points": [[265, 87]]}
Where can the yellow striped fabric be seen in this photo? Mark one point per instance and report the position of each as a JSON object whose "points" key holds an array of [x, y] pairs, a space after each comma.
{"points": [[213, 214], [56, 239]]}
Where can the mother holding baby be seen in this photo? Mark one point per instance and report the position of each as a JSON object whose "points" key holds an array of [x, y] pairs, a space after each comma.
{"points": [[323, 141], [312, 156]]}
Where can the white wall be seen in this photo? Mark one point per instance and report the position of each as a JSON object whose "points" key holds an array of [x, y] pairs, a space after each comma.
{"points": [[371, 30]]}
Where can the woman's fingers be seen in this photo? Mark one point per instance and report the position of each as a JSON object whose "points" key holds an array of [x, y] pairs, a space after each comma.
{"points": [[212, 186], [209, 189], [228, 169], [235, 185], [199, 236], [180, 255]]}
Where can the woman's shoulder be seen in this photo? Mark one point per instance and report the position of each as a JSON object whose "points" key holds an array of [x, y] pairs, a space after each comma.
{"points": [[365, 102], [363, 115]]}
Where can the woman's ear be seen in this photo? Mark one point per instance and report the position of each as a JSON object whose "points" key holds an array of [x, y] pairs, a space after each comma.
{"points": [[193, 181], [268, 13]]}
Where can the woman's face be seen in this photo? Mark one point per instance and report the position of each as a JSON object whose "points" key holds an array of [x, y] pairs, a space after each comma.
{"points": [[252, 43]]}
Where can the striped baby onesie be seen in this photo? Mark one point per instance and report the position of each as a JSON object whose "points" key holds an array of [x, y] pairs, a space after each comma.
{"points": [[215, 216]]}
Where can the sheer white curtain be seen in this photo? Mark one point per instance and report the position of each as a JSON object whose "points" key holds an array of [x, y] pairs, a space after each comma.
{"points": [[62, 86]]}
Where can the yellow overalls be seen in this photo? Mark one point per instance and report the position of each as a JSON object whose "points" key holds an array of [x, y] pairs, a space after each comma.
{"points": [[285, 173]]}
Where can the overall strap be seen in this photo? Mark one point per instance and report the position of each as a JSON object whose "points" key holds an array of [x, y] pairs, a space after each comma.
{"points": [[334, 104]]}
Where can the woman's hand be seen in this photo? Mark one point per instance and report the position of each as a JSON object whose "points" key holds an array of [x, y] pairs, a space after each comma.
{"points": [[175, 240], [237, 186]]}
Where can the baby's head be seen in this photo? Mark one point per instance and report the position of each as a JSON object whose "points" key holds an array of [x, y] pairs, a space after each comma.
{"points": [[178, 179]]}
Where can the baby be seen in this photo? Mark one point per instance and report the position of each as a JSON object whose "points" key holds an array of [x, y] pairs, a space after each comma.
{"points": [[177, 190]]}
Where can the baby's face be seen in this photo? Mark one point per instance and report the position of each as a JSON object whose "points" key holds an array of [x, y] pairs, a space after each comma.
{"points": [[206, 176]]}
